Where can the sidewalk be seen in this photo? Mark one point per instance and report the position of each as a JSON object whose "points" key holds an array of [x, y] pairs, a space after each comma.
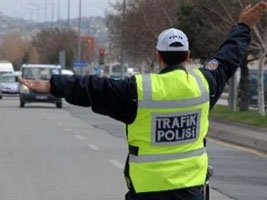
{"points": [[243, 135], [240, 134]]}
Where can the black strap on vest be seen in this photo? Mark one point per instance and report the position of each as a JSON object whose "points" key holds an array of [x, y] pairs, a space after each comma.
{"points": [[133, 150]]}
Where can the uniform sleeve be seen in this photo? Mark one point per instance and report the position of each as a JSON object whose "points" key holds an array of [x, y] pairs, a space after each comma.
{"points": [[227, 59], [115, 98]]}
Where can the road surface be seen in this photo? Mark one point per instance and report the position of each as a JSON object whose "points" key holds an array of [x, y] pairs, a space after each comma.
{"points": [[73, 154]]}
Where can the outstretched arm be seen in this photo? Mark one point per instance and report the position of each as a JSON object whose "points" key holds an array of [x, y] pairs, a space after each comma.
{"points": [[230, 54], [116, 99], [251, 15], [37, 85]]}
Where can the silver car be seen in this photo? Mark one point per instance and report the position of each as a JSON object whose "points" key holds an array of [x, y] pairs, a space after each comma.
{"points": [[9, 84]]}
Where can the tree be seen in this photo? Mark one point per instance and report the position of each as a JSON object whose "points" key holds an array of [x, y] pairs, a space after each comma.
{"points": [[202, 39], [262, 56], [49, 42], [142, 23], [206, 22], [207, 19], [14, 48]]}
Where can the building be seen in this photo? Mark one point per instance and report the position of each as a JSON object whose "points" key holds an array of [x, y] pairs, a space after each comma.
{"points": [[88, 48]]}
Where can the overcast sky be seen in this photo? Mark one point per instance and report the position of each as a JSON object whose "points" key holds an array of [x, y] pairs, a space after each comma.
{"points": [[35, 9]]}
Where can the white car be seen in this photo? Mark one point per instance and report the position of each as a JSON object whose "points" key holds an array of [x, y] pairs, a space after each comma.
{"points": [[67, 72], [9, 84], [38, 72]]}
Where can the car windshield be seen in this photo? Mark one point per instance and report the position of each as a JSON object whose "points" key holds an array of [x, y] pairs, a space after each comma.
{"points": [[116, 68], [8, 79], [2, 73], [253, 84], [39, 73]]}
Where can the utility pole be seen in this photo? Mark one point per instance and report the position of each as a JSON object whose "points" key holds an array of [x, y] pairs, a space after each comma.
{"points": [[79, 39], [58, 11], [45, 17], [38, 14], [68, 13], [36, 8], [52, 11], [123, 38]]}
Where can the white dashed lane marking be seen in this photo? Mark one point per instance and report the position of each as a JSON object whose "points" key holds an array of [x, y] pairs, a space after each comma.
{"points": [[78, 137], [59, 123], [93, 147], [116, 163], [44, 114], [67, 129]]}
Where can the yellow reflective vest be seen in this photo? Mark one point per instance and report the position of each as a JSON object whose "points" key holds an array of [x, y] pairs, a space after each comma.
{"points": [[169, 131]]}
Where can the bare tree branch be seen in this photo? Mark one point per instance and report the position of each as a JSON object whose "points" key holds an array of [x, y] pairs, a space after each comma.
{"points": [[167, 15], [212, 12], [232, 20], [259, 37]]}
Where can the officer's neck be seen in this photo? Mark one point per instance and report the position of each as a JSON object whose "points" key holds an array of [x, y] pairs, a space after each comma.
{"points": [[168, 68]]}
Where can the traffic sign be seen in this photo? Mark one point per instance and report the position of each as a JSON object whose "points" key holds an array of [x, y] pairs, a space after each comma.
{"points": [[80, 63]]}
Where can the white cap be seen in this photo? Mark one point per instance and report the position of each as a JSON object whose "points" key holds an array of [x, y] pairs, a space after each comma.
{"points": [[172, 40]]}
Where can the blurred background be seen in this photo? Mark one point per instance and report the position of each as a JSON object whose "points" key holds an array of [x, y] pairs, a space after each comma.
{"points": [[116, 38]]}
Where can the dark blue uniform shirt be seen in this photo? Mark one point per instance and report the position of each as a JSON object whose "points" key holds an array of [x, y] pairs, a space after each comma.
{"points": [[118, 98]]}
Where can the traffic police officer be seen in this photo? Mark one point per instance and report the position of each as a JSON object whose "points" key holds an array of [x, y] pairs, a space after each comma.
{"points": [[166, 113]]}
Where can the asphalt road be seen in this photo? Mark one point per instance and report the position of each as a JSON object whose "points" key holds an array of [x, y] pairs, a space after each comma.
{"points": [[73, 154], [240, 174]]}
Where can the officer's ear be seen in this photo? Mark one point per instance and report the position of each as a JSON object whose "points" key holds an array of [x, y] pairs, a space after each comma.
{"points": [[159, 58]]}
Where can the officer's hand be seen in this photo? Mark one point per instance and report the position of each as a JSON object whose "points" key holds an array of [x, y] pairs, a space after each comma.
{"points": [[251, 15], [37, 85]]}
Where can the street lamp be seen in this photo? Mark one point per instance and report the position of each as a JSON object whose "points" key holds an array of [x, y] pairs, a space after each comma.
{"points": [[68, 13], [58, 11], [52, 11], [79, 39], [45, 19], [123, 37]]}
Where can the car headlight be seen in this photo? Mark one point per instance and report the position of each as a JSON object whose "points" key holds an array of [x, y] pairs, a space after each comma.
{"points": [[24, 89]]}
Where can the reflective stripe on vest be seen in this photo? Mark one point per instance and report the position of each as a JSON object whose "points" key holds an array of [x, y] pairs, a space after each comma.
{"points": [[163, 157], [149, 103]]}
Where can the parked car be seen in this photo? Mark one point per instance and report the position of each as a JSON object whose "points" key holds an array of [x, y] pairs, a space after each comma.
{"points": [[115, 71], [9, 84], [38, 72], [253, 93], [6, 67], [67, 72]]}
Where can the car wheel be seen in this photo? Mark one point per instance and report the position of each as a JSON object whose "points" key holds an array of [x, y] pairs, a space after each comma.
{"points": [[59, 104], [22, 104], [1, 97]]}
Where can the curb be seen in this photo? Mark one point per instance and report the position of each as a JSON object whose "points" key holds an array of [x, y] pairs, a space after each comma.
{"points": [[243, 135]]}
